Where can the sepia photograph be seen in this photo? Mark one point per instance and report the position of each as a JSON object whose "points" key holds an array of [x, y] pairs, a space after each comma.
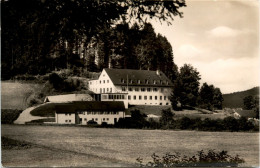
{"points": [[130, 83]]}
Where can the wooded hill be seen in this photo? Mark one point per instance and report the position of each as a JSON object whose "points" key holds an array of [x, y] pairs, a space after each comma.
{"points": [[39, 36], [235, 100]]}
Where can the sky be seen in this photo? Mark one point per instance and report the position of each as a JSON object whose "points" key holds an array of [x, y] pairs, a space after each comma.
{"points": [[220, 38]]}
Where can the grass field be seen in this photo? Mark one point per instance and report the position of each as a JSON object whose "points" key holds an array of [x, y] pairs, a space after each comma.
{"points": [[119, 146], [14, 94]]}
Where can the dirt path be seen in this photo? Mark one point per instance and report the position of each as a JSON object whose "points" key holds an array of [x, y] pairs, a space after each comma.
{"points": [[26, 116]]}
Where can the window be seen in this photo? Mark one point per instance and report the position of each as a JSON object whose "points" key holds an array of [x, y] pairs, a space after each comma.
{"points": [[104, 81], [162, 89], [123, 96], [110, 97], [134, 97], [129, 97], [104, 119], [164, 97], [122, 81], [155, 89], [107, 81], [90, 83], [148, 89], [111, 90], [66, 114], [154, 82], [151, 97], [96, 119], [131, 81], [140, 97], [100, 81], [130, 89], [100, 90], [69, 113], [155, 97], [138, 81], [123, 88], [69, 120], [167, 82], [104, 90], [137, 89], [142, 89], [107, 119], [145, 97], [160, 97], [146, 81], [66, 120], [160, 81], [107, 89]]}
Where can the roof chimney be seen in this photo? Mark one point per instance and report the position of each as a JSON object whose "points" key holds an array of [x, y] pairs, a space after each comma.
{"points": [[158, 72]]}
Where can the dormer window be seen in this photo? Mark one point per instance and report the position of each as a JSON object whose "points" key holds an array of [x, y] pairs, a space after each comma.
{"points": [[161, 82], [138, 81], [154, 82], [146, 81], [122, 81], [130, 81], [167, 82]]}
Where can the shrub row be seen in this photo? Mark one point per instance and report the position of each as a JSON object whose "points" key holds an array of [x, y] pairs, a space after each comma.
{"points": [[201, 159], [185, 123]]}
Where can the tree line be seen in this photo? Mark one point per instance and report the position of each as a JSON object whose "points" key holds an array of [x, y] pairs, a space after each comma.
{"points": [[187, 92], [167, 121]]}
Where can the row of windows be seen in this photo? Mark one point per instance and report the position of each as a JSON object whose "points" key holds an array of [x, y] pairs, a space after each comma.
{"points": [[96, 119], [98, 113], [104, 81], [142, 89], [146, 81], [68, 121], [146, 97], [105, 90]]}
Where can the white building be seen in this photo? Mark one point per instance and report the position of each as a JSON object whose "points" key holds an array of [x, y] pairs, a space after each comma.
{"points": [[83, 111], [134, 87]]}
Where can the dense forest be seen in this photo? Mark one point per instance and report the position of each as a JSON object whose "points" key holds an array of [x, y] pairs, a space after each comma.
{"points": [[39, 36]]}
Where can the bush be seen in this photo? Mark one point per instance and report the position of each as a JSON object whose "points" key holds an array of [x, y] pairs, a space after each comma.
{"points": [[8, 116], [92, 122], [201, 159]]}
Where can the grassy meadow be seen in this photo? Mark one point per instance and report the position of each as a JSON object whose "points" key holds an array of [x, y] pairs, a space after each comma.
{"points": [[119, 146], [15, 94]]}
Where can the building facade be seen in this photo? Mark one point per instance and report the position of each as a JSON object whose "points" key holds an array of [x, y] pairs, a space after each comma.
{"points": [[84, 111], [134, 87]]}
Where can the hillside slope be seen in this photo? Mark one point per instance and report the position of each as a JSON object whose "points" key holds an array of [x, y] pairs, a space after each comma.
{"points": [[235, 100]]}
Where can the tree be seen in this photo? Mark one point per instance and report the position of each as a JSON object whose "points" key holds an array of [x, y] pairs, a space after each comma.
{"points": [[166, 119], [186, 87], [210, 97], [137, 119], [217, 99], [37, 32], [249, 102], [206, 96]]}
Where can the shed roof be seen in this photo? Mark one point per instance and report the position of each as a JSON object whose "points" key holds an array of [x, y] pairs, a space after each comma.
{"points": [[131, 77], [68, 98], [90, 105]]}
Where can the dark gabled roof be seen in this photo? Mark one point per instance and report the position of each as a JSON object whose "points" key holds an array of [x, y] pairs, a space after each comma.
{"points": [[246, 113], [147, 78], [90, 106]]}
